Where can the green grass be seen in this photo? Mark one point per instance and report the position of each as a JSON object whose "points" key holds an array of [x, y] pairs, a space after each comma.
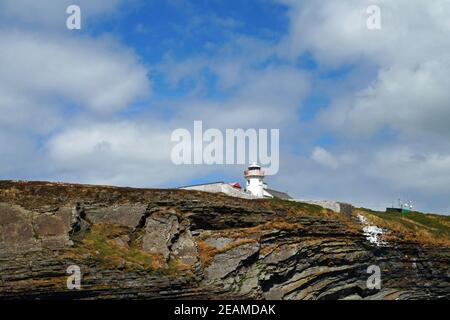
{"points": [[310, 208], [413, 225]]}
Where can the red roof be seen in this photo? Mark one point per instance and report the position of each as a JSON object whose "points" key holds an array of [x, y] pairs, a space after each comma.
{"points": [[236, 185]]}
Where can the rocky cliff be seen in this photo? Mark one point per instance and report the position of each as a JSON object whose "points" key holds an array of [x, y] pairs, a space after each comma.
{"points": [[152, 244]]}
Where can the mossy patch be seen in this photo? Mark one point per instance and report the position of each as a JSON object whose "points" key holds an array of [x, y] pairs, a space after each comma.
{"points": [[99, 244]]}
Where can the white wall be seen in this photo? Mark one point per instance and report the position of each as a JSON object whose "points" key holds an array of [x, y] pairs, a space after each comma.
{"points": [[221, 188], [327, 204]]}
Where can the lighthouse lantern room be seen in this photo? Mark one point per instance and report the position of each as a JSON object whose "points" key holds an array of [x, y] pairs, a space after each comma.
{"points": [[254, 176]]}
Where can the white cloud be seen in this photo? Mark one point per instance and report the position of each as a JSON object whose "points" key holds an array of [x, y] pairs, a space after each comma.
{"points": [[323, 157], [50, 78], [20, 157], [256, 93], [112, 152], [412, 102], [267, 98], [405, 168], [96, 74], [229, 62], [20, 113], [125, 153], [336, 31], [411, 51]]}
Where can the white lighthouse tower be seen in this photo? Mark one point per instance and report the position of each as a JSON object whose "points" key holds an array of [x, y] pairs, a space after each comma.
{"points": [[255, 180]]}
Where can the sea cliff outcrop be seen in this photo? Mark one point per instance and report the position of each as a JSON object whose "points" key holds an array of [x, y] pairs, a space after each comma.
{"points": [[156, 244]]}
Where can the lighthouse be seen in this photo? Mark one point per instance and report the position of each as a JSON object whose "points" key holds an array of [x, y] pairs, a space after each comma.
{"points": [[256, 188], [254, 176]]}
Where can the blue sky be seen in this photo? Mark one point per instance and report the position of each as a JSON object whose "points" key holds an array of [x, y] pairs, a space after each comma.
{"points": [[363, 114]]}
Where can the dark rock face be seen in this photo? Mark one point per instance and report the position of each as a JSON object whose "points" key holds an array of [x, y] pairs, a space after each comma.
{"points": [[156, 244]]}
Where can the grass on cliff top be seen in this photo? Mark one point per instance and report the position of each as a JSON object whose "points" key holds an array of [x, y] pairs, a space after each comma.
{"points": [[429, 229], [305, 207], [412, 226]]}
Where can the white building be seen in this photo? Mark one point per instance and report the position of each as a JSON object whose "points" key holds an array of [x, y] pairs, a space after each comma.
{"points": [[256, 188]]}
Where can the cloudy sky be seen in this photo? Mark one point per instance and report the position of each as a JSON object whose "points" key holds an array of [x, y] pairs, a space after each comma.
{"points": [[364, 115]]}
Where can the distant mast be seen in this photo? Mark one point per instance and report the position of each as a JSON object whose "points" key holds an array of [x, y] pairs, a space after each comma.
{"points": [[255, 180], [403, 207]]}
